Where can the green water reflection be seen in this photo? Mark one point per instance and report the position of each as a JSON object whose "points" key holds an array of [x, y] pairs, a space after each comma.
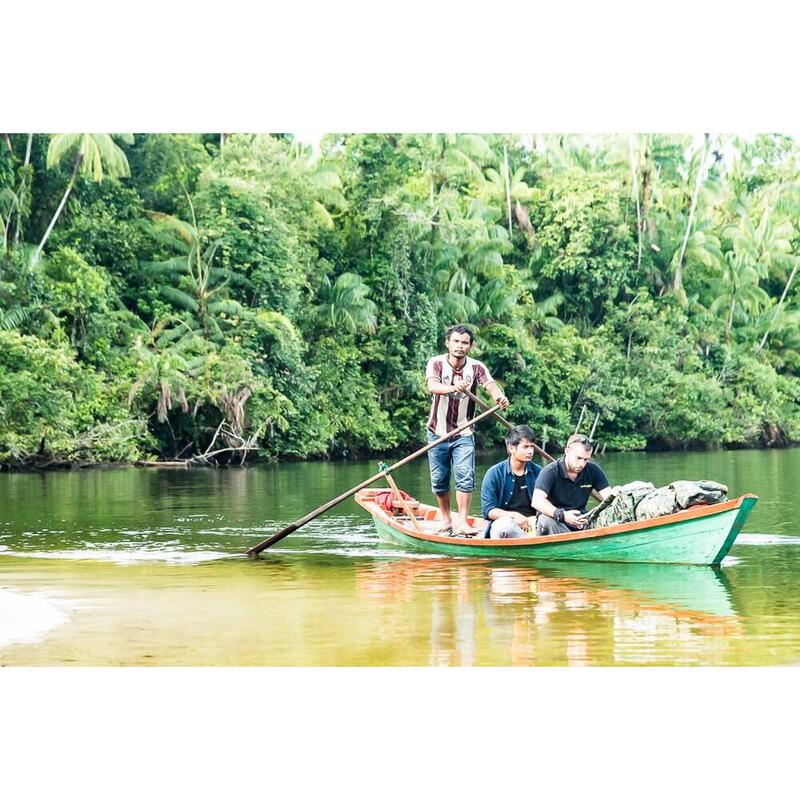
{"points": [[145, 567]]}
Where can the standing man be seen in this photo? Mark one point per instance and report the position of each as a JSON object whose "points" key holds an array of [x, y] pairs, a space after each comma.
{"points": [[507, 489], [563, 488], [447, 376]]}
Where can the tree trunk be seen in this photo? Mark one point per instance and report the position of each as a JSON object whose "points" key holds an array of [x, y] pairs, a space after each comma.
{"points": [[648, 226], [729, 326], [7, 227], [634, 171], [22, 189], [677, 284], [61, 205], [508, 187], [778, 309]]}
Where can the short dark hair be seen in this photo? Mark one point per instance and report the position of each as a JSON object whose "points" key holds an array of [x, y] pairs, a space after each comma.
{"points": [[518, 433], [581, 439], [459, 329]]}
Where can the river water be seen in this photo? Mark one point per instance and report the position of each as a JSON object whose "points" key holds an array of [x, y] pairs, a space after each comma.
{"points": [[136, 566]]}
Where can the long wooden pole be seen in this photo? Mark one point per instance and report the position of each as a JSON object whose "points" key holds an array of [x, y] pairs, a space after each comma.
{"points": [[538, 450], [543, 453], [254, 551]]}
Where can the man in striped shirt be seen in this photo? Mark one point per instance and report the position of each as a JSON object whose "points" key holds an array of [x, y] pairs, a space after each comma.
{"points": [[447, 376]]}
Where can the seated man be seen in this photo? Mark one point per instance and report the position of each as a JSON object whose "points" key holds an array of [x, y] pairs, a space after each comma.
{"points": [[507, 488], [563, 488]]}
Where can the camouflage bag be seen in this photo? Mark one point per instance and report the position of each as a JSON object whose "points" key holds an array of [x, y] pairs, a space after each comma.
{"points": [[620, 506], [678, 496], [640, 501]]}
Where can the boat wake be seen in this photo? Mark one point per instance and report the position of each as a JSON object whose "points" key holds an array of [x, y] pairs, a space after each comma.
{"points": [[130, 556], [765, 538]]}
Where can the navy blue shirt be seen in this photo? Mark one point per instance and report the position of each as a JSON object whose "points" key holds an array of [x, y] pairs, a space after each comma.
{"points": [[565, 493], [497, 487]]}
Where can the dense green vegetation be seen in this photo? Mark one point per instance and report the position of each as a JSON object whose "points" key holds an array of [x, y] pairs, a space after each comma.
{"points": [[165, 295]]}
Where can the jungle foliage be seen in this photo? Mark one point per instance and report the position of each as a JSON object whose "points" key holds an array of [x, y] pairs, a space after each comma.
{"points": [[163, 294]]}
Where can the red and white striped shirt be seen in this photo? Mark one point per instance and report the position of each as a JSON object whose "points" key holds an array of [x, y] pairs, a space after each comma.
{"points": [[448, 411]]}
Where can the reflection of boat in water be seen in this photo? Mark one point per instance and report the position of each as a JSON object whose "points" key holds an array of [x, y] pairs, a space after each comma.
{"points": [[472, 612], [693, 593], [682, 587], [698, 535]]}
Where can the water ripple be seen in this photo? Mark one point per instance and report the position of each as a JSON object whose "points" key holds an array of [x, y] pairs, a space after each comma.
{"points": [[765, 538], [131, 556]]}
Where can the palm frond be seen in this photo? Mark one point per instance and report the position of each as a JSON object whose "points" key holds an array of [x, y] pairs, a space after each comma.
{"points": [[326, 179], [332, 198], [323, 215], [457, 306], [181, 334], [178, 265], [476, 147], [458, 281], [179, 298], [188, 233], [108, 158], [13, 317], [230, 307], [60, 145], [461, 160], [488, 262]]}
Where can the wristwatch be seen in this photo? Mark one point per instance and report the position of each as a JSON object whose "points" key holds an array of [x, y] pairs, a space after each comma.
{"points": [[559, 515]]}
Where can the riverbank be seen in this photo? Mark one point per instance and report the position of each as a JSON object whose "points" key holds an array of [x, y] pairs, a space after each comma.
{"points": [[172, 464]]}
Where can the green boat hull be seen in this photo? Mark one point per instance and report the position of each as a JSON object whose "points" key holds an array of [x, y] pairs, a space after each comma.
{"points": [[694, 540]]}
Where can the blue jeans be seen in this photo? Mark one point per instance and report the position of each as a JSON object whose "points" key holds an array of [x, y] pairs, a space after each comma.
{"points": [[458, 451]]}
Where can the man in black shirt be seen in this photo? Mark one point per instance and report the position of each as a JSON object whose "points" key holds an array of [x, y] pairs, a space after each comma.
{"points": [[563, 488]]}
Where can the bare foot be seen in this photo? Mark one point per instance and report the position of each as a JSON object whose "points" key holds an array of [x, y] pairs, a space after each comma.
{"points": [[445, 526], [462, 529]]}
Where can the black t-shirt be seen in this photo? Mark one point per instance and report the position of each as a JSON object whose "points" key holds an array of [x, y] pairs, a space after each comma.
{"points": [[520, 499], [565, 493]]}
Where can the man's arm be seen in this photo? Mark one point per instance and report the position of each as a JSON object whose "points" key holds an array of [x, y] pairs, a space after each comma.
{"points": [[520, 519], [540, 502], [544, 506], [497, 394], [492, 497], [437, 387], [486, 380], [491, 493], [601, 482]]}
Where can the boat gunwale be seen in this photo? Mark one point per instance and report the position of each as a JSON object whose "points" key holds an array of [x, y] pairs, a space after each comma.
{"points": [[367, 502]]}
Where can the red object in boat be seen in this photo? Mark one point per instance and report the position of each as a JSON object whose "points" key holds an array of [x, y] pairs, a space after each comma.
{"points": [[386, 497]]}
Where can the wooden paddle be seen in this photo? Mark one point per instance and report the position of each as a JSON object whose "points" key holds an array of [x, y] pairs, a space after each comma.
{"points": [[254, 551], [543, 453]]}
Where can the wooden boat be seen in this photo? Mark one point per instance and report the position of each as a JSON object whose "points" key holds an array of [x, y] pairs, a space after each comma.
{"points": [[698, 535]]}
